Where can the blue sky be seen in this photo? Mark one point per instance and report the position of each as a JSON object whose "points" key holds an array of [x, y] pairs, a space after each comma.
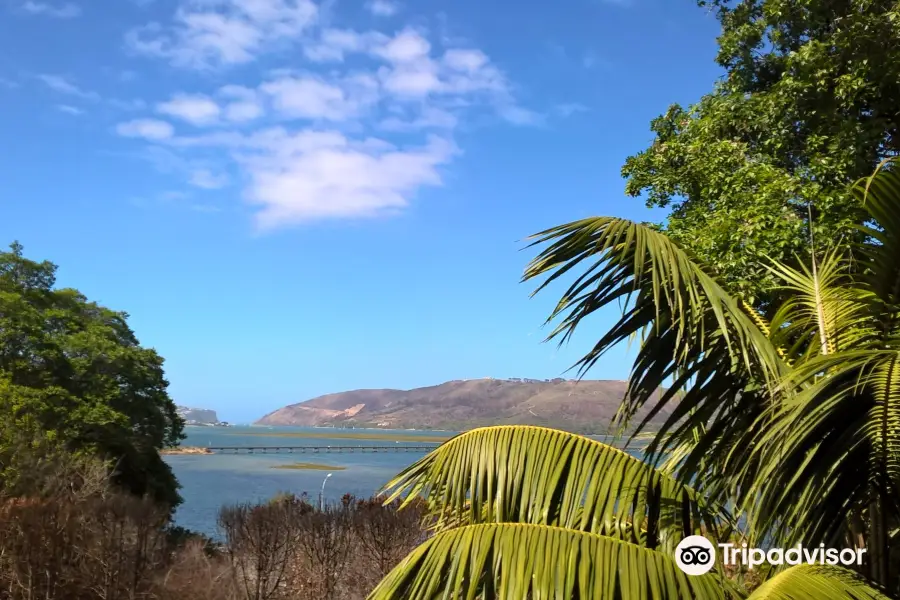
{"points": [[294, 198]]}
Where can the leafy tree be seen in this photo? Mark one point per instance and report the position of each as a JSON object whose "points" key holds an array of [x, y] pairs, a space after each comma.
{"points": [[807, 106], [74, 377], [793, 423]]}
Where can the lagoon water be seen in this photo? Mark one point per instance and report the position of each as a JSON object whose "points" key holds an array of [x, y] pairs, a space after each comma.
{"points": [[212, 480]]}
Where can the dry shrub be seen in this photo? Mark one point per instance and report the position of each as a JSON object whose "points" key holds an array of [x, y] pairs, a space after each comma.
{"points": [[73, 536], [100, 548], [289, 549], [325, 542], [384, 535], [196, 574], [261, 541], [76, 538]]}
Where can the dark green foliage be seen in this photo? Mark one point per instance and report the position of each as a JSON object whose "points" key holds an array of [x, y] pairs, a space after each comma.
{"points": [[808, 105], [74, 377]]}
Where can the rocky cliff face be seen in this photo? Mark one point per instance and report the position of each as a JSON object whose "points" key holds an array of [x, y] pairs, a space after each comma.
{"points": [[201, 416], [584, 406]]}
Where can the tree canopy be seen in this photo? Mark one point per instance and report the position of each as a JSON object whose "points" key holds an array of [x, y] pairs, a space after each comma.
{"points": [[73, 376], [807, 105]]}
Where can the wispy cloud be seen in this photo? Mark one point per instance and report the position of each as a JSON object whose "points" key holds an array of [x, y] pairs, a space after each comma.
{"points": [[196, 109], [226, 32], [70, 110], [60, 11], [171, 195], [315, 98], [207, 180], [316, 144], [241, 104], [148, 129], [567, 109], [61, 84], [382, 8]]}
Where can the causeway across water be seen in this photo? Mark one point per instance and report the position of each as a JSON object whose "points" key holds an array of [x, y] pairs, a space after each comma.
{"points": [[320, 449]]}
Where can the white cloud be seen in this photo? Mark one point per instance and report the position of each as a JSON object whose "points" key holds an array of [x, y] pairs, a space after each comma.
{"points": [[465, 60], [238, 112], [520, 116], [206, 179], [209, 33], [69, 110], [149, 129], [382, 8], [411, 81], [406, 47], [242, 104], [314, 98], [333, 45], [318, 175], [430, 118], [316, 144], [62, 85], [61, 11], [195, 109]]}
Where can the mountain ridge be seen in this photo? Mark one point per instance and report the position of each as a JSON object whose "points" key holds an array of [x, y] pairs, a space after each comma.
{"points": [[584, 406]]}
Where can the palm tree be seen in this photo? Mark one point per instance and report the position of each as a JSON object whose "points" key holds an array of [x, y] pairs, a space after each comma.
{"points": [[788, 417]]}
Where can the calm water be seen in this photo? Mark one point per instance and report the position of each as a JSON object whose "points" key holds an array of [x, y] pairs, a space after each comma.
{"points": [[213, 480], [210, 481]]}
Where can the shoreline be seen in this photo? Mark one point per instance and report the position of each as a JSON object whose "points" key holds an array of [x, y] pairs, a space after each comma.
{"points": [[185, 450]]}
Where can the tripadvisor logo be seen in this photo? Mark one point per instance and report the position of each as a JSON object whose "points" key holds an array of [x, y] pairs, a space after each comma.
{"points": [[696, 555]]}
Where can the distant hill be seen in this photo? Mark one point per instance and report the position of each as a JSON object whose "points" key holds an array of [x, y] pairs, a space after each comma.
{"points": [[198, 416], [585, 406]]}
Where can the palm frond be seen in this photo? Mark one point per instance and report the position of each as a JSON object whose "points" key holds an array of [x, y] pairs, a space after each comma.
{"points": [[880, 198], [628, 259], [527, 474], [765, 327], [823, 312], [506, 561], [696, 338], [816, 582], [833, 446]]}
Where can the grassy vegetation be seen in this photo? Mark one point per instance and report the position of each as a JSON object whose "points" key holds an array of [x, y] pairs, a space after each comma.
{"points": [[382, 437], [310, 467]]}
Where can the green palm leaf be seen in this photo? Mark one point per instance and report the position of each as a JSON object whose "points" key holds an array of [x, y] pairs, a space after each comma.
{"points": [[879, 195], [816, 582], [628, 260], [541, 476], [830, 455], [823, 312], [832, 447], [506, 561], [696, 340]]}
